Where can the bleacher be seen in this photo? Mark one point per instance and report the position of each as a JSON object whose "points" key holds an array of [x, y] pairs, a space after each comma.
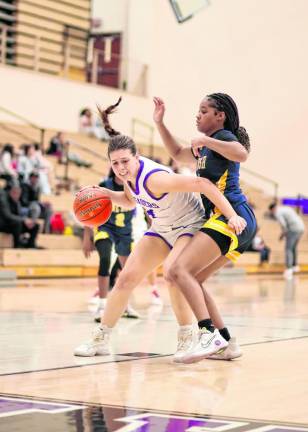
{"points": [[62, 255]]}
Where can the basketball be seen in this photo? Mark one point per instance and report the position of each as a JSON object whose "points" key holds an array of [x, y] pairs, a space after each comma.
{"points": [[92, 206]]}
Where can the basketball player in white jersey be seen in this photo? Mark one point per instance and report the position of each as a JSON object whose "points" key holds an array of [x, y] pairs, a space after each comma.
{"points": [[176, 215]]}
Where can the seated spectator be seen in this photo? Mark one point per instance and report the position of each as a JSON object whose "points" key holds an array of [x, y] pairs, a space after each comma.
{"points": [[44, 169], [12, 220], [59, 146], [258, 245], [91, 127], [30, 200], [26, 162], [7, 170]]}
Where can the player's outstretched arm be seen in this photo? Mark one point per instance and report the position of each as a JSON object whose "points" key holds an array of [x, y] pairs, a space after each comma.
{"points": [[173, 147], [231, 150], [163, 182]]}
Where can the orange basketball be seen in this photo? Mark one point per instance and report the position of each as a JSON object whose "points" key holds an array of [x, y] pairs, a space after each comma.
{"points": [[92, 206]]}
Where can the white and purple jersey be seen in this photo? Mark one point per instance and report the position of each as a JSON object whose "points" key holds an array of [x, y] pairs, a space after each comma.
{"points": [[173, 214]]}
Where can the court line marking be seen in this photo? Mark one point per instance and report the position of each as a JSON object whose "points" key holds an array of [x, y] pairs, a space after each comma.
{"points": [[137, 358]]}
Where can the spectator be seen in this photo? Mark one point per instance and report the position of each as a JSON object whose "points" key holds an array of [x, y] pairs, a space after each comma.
{"points": [[12, 220], [59, 146], [30, 199], [44, 168], [91, 127], [27, 162], [292, 229], [86, 123], [7, 171], [258, 245]]}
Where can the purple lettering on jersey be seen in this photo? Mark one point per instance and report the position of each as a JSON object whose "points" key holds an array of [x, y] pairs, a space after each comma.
{"points": [[145, 203], [148, 422], [11, 406]]}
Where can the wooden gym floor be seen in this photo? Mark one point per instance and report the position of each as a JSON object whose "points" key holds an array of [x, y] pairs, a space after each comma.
{"points": [[45, 388]]}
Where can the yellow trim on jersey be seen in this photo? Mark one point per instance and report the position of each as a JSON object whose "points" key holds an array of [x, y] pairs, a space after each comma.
{"points": [[221, 183], [233, 256], [100, 235], [223, 228]]}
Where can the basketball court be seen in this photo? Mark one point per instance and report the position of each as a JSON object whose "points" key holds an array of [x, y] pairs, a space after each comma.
{"points": [[44, 387]]}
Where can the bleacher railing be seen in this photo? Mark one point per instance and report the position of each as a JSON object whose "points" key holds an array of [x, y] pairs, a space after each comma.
{"points": [[144, 133], [26, 122], [74, 57]]}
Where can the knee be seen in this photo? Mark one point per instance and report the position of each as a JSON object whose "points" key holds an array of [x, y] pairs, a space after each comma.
{"points": [[126, 281], [172, 273]]}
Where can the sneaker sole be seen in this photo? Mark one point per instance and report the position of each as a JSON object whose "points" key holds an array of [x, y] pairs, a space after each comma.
{"points": [[225, 359], [196, 358]]}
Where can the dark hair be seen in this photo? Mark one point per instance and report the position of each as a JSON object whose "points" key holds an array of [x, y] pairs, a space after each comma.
{"points": [[8, 148], [225, 103], [272, 206], [117, 141], [34, 174]]}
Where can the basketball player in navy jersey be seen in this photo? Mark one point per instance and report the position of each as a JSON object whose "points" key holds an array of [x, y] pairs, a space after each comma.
{"points": [[217, 155]]}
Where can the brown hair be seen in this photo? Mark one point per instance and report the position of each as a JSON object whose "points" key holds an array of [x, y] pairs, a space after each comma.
{"points": [[117, 141]]}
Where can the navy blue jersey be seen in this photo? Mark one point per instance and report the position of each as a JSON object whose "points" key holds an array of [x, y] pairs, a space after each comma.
{"points": [[120, 220], [220, 171]]}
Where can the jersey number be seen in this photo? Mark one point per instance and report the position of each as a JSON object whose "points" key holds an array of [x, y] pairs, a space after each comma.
{"points": [[120, 219], [151, 214]]}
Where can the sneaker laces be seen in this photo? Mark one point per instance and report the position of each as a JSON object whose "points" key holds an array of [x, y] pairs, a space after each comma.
{"points": [[98, 335], [184, 340], [202, 332]]}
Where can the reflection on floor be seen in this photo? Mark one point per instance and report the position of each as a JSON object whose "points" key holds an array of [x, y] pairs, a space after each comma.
{"points": [[43, 320]]}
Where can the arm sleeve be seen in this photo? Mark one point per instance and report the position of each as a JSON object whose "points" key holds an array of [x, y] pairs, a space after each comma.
{"points": [[225, 135]]}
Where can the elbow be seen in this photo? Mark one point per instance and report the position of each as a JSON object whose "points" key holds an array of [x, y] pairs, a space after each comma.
{"points": [[201, 183], [242, 156]]}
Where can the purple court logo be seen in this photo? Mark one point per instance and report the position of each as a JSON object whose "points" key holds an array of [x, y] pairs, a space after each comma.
{"points": [[111, 419], [11, 407], [150, 422]]}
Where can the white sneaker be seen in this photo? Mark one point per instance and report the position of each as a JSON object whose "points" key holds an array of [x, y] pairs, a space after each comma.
{"points": [[232, 351], [97, 345], [100, 309], [296, 269], [185, 343], [209, 343], [288, 274], [95, 298], [156, 298], [98, 313], [130, 313]]}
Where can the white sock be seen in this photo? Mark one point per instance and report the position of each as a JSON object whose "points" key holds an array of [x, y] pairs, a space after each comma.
{"points": [[185, 328], [105, 329], [102, 302]]}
